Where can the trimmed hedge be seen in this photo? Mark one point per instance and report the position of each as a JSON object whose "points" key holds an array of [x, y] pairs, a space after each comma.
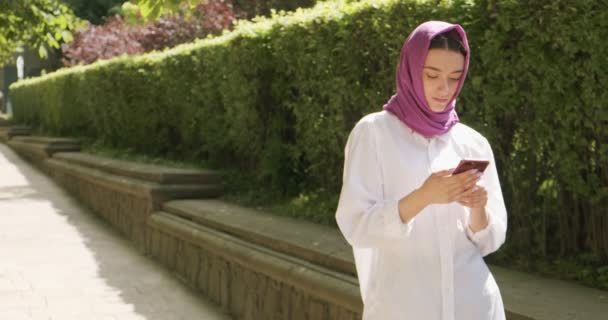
{"points": [[278, 97]]}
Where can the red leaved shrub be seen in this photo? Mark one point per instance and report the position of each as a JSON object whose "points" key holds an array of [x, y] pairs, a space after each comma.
{"points": [[116, 37]]}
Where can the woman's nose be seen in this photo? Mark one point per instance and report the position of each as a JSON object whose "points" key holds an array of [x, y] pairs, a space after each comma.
{"points": [[444, 87]]}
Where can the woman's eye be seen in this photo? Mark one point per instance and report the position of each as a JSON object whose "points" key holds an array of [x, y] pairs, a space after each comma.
{"points": [[431, 77], [455, 79]]}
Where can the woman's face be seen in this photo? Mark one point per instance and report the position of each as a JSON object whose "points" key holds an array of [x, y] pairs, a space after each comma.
{"points": [[440, 76]]}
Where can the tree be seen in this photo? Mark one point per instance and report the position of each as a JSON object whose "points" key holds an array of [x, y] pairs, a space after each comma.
{"points": [[117, 36], [94, 11], [37, 24], [111, 39], [152, 9]]}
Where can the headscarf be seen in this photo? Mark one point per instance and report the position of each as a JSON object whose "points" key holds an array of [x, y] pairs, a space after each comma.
{"points": [[409, 103]]}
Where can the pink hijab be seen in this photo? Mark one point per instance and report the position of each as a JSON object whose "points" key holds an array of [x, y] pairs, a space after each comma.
{"points": [[409, 103]]}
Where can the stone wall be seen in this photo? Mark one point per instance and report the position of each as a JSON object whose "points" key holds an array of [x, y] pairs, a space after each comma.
{"points": [[126, 211], [8, 131], [38, 149], [124, 193], [249, 281]]}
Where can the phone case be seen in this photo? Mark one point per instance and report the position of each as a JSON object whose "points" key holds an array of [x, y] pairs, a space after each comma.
{"points": [[466, 165]]}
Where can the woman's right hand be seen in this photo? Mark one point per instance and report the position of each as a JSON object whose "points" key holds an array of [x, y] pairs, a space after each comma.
{"points": [[439, 187], [443, 187]]}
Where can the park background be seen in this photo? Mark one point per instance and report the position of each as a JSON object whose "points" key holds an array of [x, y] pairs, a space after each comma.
{"points": [[271, 101]]}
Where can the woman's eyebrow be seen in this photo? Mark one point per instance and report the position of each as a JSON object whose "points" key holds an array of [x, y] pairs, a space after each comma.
{"points": [[439, 70]]}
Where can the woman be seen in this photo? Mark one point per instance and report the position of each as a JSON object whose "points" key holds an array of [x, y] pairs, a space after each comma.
{"points": [[418, 232]]}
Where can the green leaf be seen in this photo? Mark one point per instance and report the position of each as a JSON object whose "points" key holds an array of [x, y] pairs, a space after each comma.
{"points": [[61, 21], [51, 41], [145, 8], [42, 52], [151, 9], [67, 36], [193, 3]]}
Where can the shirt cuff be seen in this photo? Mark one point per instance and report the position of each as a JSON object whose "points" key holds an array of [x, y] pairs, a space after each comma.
{"points": [[477, 237], [392, 220]]}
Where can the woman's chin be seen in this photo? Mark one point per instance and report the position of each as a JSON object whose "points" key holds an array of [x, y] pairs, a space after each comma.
{"points": [[437, 109]]}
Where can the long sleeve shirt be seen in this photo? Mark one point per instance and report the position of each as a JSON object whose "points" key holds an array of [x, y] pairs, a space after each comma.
{"points": [[432, 267]]}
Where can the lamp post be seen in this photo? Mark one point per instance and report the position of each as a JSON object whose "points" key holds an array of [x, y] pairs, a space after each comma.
{"points": [[20, 69], [20, 64]]}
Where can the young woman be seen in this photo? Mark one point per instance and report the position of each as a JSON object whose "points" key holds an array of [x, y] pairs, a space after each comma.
{"points": [[419, 232]]}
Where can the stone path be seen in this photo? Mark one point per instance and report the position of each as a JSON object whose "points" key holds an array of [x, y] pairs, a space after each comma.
{"points": [[58, 261]]}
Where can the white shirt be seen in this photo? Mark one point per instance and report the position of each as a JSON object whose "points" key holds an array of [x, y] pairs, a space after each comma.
{"points": [[431, 268]]}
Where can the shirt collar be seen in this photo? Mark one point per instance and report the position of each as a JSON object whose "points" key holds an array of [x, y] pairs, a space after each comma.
{"points": [[420, 138], [417, 137]]}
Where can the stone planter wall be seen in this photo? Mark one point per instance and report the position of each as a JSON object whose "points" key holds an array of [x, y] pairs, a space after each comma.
{"points": [[126, 193], [8, 131], [251, 281], [38, 149]]}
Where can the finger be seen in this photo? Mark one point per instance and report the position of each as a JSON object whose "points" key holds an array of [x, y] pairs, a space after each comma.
{"points": [[474, 176], [465, 180], [457, 192], [468, 175], [461, 179], [477, 199], [475, 193], [443, 173], [470, 188], [477, 196], [465, 196], [463, 202], [479, 193], [472, 183], [466, 203]]}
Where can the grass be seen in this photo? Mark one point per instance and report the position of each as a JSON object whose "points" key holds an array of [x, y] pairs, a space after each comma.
{"points": [[130, 155]]}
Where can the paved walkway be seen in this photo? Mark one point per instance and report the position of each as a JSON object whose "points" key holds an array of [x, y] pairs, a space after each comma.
{"points": [[58, 261]]}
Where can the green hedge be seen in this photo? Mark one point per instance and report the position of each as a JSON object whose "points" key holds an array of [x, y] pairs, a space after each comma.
{"points": [[277, 98]]}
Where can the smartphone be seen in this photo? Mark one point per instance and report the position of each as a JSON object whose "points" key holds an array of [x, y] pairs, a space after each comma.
{"points": [[466, 165]]}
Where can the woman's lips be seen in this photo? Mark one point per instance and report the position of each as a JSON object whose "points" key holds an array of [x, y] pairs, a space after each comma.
{"points": [[440, 100]]}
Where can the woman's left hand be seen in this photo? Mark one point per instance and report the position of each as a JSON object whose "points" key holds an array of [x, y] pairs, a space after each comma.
{"points": [[477, 198]]}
